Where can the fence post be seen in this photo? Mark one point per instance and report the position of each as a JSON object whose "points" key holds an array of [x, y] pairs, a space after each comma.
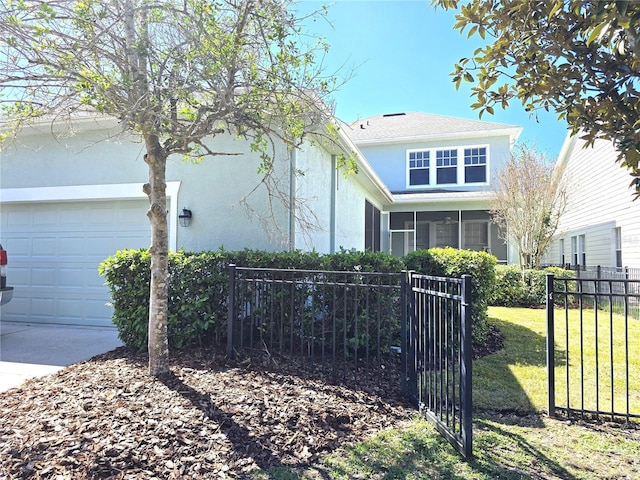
{"points": [[465, 368], [404, 344], [551, 366], [231, 309]]}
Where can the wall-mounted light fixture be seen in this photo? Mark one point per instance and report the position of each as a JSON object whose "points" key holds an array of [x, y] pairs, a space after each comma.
{"points": [[447, 220], [185, 217]]}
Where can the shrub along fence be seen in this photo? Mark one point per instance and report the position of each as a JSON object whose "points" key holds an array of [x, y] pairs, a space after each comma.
{"points": [[343, 323], [199, 285], [517, 288]]}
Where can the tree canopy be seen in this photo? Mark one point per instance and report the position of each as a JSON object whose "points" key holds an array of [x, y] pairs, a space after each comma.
{"points": [[579, 58], [174, 72]]}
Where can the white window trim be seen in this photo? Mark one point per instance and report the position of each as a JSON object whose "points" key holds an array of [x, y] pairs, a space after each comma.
{"points": [[119, 191], [433, 167], [408, 168]]}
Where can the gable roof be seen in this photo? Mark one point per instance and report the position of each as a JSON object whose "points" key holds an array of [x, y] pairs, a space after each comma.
{"points": [[403, 127]]}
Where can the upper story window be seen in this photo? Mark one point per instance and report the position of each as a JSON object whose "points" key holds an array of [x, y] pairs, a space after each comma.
{"points": [[447, 166], [419, 167], [475, 165]]}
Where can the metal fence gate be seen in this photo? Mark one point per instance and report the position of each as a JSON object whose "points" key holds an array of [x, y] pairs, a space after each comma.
{"points": [[592, 348], [439, 355]]}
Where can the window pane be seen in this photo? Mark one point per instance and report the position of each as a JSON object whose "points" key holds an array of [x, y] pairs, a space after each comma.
{"points": [[447, 235], [476, 236], [446, 175], [475, 174], [475, 156], [419, 176]]}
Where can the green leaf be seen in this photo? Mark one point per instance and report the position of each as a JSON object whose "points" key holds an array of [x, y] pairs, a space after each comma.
{"points": [[596, 32]]}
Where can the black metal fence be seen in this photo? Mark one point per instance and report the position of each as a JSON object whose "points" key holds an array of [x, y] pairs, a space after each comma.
{"points": [[440, 353], [611, 286], [346, 324], [592, 352], [402, 332]]}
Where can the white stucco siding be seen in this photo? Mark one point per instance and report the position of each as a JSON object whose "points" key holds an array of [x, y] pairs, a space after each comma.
{"points": [[213, 189], [328, 193], [350, 222], [600, 200], [390, 160], [313, 187]]}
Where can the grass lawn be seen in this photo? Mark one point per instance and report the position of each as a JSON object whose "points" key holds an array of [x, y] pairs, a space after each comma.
{"points": [[513, 439]]}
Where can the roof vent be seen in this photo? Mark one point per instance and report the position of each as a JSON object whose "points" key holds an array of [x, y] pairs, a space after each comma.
{"points": [[393, 114]]}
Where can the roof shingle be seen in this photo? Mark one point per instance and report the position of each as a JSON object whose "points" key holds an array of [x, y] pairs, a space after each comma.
{"points": [[399, 126]]}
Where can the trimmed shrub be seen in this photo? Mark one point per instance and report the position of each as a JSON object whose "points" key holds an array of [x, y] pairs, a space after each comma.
{"points": [[451, 262], [514, 288], [199, 287]]}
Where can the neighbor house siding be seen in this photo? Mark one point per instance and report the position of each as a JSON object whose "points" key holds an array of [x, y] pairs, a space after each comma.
{"points": [[600, 200]]}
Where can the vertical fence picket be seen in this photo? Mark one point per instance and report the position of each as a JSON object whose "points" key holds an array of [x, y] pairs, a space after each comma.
{"points": [[551, 361]]}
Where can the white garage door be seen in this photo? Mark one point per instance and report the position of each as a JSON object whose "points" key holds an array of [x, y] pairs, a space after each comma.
{"points": [[54, 250]]}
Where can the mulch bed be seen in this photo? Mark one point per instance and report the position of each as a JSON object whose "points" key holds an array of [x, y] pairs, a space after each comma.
{"points": [[107, 418]]}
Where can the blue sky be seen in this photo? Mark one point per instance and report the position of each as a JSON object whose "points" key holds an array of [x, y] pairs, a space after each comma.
{"points": [[403, 52]]}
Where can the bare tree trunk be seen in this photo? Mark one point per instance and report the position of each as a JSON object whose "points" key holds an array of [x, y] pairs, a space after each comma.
{"points": [[159, 290]]}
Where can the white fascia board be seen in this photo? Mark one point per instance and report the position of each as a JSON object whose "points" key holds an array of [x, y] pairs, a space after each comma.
{"points": [[82, 122], [442, 197], [513, 134], [76, 193]]}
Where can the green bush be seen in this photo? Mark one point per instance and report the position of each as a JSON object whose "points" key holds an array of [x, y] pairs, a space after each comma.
{"points": [[451, 262], [199, 288], [514, 288]]}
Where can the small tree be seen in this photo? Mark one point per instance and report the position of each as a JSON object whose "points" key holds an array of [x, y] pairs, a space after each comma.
{"points": [[530, 198], [174, 73]]}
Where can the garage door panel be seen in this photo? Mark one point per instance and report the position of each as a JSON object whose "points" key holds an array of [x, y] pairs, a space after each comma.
{"points": [[44, 246], [70, 246], [19, 276], [71, 277], [43, 277], [16, 245], [54, 253], [45, 217], [43, 307]]}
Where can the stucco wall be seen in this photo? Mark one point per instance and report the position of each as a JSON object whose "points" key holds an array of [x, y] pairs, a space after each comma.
{"points": [[390, 161], [212, 189], [328, 192]]}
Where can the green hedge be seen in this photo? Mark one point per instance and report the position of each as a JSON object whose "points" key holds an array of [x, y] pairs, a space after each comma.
{"points": [[198, 288], [451, 262], [514, 288]]}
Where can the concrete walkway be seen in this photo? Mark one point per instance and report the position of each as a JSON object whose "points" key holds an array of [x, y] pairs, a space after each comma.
{"points": [[33, 350]]}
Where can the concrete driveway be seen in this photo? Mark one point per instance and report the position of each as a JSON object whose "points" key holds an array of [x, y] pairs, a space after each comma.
{"points": [[32, 350]]}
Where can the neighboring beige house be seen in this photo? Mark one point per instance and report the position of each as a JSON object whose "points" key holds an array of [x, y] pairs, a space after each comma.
{"points": [[601, 225]]}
